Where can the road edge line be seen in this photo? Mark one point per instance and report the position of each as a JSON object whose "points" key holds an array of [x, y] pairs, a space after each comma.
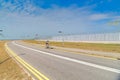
{"points": [[73, 60], [75, 52]]}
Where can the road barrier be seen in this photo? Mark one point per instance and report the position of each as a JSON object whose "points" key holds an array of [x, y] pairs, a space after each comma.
{"points": [[94, 38]]}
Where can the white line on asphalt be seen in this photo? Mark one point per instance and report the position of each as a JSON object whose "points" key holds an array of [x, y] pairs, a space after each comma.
{"points": [[72, 60]]}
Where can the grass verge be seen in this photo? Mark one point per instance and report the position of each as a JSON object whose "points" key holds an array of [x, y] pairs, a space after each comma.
{"points": [[80, 45], [9, 69]]}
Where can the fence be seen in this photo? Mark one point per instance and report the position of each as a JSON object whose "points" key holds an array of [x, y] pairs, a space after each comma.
{"points": [[98, 37]]}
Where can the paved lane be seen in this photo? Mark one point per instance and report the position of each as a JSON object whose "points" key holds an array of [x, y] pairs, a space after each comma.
{"points": [[67, 67]]}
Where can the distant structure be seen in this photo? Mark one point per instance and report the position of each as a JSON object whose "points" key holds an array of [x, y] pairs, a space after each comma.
{"points": [[1, 35], [94, 38]]}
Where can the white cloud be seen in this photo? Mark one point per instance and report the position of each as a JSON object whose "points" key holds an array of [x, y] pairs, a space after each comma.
{"points": [[32, 20], [99, 16]]}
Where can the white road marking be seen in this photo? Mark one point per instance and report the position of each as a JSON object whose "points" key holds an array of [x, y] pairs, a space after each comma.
{"points": [[72, 60]]}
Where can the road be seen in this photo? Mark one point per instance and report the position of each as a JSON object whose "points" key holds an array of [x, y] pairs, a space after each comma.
{"points": [[59, 65]]}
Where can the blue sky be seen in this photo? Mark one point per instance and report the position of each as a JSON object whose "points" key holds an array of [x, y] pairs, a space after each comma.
{"points": [[26, 18]]}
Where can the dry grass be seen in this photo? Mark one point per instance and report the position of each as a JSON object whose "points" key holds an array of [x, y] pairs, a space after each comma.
{"points": [[9, 69], [88, 46]]}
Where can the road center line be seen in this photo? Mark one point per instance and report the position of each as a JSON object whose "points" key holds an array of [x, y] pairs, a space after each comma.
{"points": [[35, 72], [72, 60]]}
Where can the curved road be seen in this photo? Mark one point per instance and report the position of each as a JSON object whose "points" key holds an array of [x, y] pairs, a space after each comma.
{"points": [[59, 65]]}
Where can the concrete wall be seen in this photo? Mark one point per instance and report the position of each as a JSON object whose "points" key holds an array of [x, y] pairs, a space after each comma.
{"points": [[94, 38]]}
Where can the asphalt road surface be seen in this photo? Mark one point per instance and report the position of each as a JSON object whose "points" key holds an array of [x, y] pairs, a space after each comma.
{"points": [[60, 65]]}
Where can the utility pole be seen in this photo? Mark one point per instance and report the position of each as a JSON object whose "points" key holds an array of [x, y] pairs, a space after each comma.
{"points": [[60, 32], [1, 32], [36, 36], [2, 28]]}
